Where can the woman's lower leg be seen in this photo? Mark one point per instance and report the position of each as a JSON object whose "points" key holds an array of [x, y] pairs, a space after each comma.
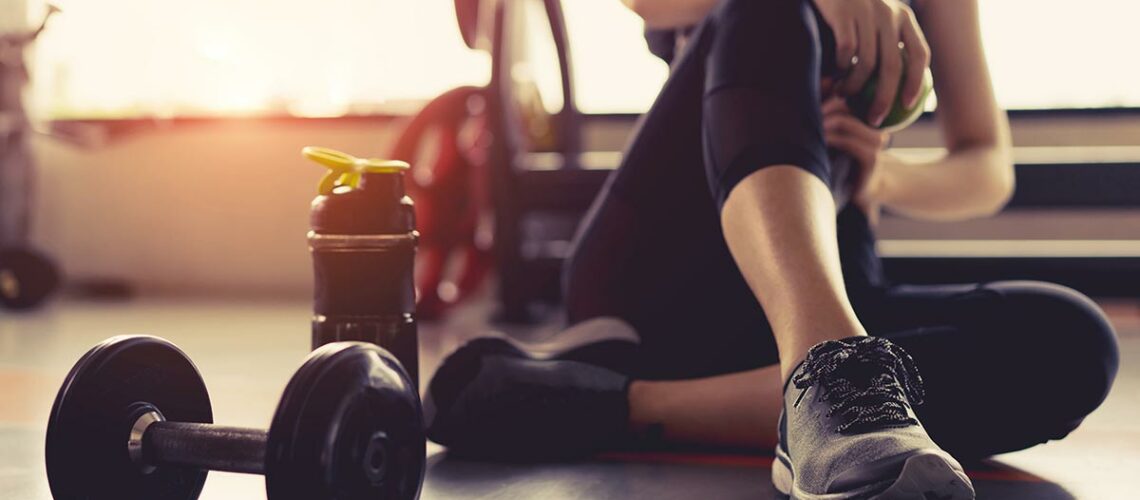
{"points": [[779, 223], [735, 409]]}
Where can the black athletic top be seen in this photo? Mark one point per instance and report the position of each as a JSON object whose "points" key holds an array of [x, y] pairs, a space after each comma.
{"points": [[662, 43]]}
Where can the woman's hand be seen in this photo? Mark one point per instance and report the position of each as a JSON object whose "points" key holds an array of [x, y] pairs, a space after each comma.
{"points": [[844, 132], [867, 36]]}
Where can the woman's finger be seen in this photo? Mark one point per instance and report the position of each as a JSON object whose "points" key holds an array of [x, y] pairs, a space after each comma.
{"points": [[862, 154], [917, 57], [867, 51], [846, 44], [850, 126], [834, 105], [890, 65]]}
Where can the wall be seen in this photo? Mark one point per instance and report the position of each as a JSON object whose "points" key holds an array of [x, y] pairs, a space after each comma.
{"points": [[219, 207]]}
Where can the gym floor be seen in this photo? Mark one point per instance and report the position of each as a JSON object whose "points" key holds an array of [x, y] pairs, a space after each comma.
{"points": [[247, 351]]}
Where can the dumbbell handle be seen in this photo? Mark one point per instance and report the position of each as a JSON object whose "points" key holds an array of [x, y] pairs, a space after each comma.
{"points": [[155, 442], [205, 446]]}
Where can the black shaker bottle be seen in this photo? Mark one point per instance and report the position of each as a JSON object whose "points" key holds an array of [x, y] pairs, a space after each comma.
{"points": [[363, 243]]}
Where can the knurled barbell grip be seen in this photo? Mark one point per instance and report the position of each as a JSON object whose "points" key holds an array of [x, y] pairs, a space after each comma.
{"points": [[204, 446]]}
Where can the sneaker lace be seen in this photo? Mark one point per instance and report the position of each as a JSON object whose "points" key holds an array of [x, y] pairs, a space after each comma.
{"points": [[869, 382]]}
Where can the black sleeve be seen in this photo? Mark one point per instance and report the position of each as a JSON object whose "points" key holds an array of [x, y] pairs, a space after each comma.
{"points": [[662, 43]]}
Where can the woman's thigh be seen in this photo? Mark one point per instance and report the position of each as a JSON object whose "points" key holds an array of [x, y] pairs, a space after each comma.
{"points": [[654, 229]]}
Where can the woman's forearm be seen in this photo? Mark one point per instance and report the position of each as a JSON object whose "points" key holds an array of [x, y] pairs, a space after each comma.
{"points": [[964, 184], [664, 14]]}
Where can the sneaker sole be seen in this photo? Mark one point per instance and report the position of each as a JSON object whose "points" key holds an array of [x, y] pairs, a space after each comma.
{"points": [[926, 475]]}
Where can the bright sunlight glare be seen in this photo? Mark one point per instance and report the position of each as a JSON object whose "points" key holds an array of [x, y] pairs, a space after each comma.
{"points": [[132, 58]]}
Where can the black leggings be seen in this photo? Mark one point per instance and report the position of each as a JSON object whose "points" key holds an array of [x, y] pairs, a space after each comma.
{"points": [[1007, 364]]}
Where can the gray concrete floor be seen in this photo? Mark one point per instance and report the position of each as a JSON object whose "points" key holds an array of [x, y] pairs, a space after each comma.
{"points": [[248, 350]]}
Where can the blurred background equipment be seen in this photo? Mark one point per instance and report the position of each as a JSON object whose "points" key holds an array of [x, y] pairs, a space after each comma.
{"points": [[446, 144], [27, 277], [472, 149], [542, 182]]}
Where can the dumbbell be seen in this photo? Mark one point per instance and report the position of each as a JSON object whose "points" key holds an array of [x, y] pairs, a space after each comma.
{"points": [[133, 421], [26, 278]]}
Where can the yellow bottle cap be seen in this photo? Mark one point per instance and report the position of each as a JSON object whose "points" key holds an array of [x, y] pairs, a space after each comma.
{"points": [[345, 169]]}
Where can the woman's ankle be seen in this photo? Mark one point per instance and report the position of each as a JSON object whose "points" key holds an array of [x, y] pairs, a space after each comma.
{"points": [[793, 350], [641, 406]]}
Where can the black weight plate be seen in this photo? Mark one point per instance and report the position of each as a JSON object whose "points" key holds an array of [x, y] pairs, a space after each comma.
{"points": [[91, 420], [345, 396], [27, 278]]}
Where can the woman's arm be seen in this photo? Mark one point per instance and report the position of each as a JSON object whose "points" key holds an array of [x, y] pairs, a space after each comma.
{"points": [[664, 14], [975, 177]]}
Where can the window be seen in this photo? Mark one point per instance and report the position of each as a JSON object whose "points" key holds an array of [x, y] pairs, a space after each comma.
{"points": [[613, 70], [124, 58], [1060, 54], [114, 58]]}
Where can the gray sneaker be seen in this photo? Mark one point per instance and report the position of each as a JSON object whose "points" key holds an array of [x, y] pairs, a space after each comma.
{"points": [[848, 429]]}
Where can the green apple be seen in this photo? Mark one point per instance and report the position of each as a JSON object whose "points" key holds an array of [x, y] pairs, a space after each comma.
{"points": [[900, 116]]}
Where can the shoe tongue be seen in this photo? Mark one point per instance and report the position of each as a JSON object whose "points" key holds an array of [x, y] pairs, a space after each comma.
{"points": [[859, 362], [862, 372]]}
